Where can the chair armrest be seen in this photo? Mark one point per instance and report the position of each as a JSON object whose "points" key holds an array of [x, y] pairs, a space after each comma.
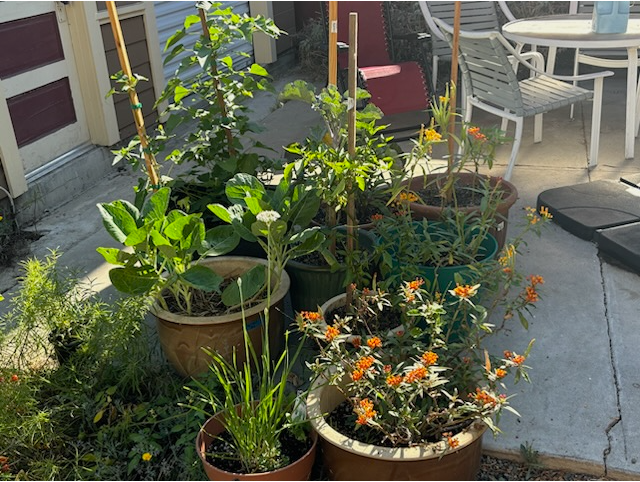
{"points": [[412, 36], [506, 10]]}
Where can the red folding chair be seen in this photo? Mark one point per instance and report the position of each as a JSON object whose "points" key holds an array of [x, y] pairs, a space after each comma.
{"points": [[394, 87]]}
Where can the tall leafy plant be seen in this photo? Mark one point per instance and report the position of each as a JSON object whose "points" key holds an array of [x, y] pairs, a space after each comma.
{"points": [[210, 88]]}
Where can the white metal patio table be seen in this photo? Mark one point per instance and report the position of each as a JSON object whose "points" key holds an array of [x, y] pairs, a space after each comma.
{"points": [[574, 31]]}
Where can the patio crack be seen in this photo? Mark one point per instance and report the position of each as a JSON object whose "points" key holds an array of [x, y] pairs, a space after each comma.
{"points": [[616, 420]]}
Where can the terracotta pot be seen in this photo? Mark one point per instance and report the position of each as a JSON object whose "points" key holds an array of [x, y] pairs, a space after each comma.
{"points": [[510, 196], [183, 337], [298, 470], [348, 459]]}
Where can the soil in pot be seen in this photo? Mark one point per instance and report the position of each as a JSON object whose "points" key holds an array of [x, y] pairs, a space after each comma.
{"points": [[222, 445]]}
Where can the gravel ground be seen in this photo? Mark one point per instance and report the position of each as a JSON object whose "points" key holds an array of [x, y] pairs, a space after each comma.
{"points": [[500, 469]]}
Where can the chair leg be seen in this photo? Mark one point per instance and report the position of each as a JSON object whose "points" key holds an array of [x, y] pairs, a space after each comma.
{"points": [[537, 128], [516, 147], [576, 68], [434, 73], [595, 122], [504, 124], [637, 110]]}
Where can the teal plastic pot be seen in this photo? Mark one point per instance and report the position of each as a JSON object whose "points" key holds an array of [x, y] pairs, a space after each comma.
{"points": [[443, 277], [312, 285]]}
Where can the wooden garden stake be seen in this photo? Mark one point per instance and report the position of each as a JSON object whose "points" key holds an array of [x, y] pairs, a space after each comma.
{"points": [[333, 43], [136, 106], [454, 81], [351, 140], [214, 74]]}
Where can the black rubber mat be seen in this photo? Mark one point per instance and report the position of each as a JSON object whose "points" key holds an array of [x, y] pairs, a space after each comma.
{"points": [[582, 209], [622, 243]]}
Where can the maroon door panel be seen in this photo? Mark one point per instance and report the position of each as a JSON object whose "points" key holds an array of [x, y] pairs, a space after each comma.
{"points": [[29, 43]]}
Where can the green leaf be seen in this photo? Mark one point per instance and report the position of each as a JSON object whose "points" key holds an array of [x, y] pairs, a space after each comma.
{"points": [[202, 278], [138, 236], [228, 61], [176, 37], [180, 93], [523, 320], [190, 20], [220, 211], [118, 220], [98, 416], [175, 230], [252, 281], [256, 69], [156, 206], [242, 186], [220, 240], [111, 255], [133, 280]]}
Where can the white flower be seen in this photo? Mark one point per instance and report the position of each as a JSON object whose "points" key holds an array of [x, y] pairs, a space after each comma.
{"points": [[268, 217]]}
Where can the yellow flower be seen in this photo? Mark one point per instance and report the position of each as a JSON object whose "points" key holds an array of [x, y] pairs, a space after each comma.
{"points": [[432, 135], [544, 212], [146, 456], [464, 291]]}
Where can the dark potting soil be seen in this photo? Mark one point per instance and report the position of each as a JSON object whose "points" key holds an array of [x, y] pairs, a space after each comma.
{"points": [[292, 450], [380, 323], [464, 196], [205, 303], [343, 420]]}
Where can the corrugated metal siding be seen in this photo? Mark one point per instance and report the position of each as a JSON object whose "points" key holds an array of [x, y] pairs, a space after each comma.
{"points": [[170, 17]]}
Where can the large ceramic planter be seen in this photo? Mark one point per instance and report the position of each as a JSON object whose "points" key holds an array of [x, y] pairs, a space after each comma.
{"points": [[510, 196], [348, 459], [183, 337], [298, 470], [313, 285]]}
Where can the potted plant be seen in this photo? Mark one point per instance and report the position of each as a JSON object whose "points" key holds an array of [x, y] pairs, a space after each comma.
{"points": [[409, 401], [259, 430], [430, 194], [210, 89], [170, 256], [324, 163]]}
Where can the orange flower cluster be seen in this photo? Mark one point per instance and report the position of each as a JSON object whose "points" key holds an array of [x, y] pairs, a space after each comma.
{"points": [[483, 397], [517, 359], [452, 442], [387, 368], [535, 279], [365, 362], [544, 212], [394, 380], [429, 358], [14, 378], [376, 217], [332, 332], [357, 375], [416, 374], [311, 315], [500, 373], [374, 342], [464, 291], [365, 411], [407, 196], [415, 284], [356, 341], [475, 132], [531, 294]]}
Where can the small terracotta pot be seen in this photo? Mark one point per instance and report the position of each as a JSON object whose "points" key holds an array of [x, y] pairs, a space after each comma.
{"points": [[298, 470], [434, 213]]}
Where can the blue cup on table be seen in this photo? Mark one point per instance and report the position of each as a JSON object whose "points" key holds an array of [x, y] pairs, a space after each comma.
{"points": [[610, 17]]}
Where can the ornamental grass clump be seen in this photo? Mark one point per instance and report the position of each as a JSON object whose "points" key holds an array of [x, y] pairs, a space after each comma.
{"points": [[426, 379]]}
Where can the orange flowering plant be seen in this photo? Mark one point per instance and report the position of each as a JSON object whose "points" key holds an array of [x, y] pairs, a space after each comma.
{"points": [[425, 379]]}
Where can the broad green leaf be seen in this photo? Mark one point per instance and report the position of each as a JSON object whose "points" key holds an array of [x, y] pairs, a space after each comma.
{"points": [[98, 416], [220, 211], [180, 93], [176, 37], [156, 206], [133, 280], [256, 69], [175, 230], [220, 240], [242, 186], [252, 281], [138, 236], [111, 255], [118, 219], [202, 278], [190, 20]]}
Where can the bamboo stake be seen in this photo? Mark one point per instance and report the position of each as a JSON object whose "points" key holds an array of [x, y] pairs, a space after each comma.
{"points": [[136, 106], [214, 73], [333, 43], [454, 81], [351, 140]]}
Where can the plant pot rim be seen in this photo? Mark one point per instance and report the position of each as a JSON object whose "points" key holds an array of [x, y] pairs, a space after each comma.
{"points": [[509, 187], [421, 452], [235, 475], [285, 283]]}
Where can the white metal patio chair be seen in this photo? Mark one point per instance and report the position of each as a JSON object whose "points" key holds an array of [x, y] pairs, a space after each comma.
{"points": [[474, 16], [492, 85]]}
